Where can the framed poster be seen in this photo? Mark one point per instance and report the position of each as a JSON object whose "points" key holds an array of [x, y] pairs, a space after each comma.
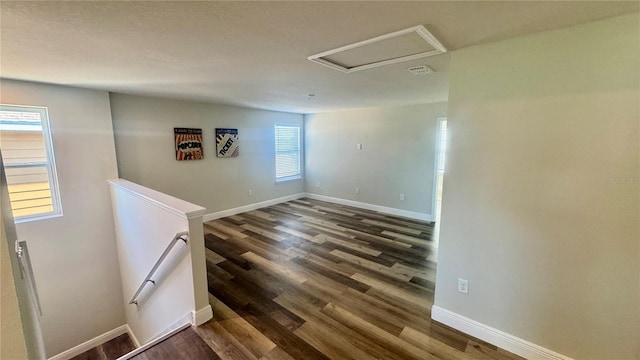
{"points": [[227, 143], [188, 144]]}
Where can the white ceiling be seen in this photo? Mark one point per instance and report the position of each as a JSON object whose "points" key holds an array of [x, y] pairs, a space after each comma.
{"points": [[254, 54]]}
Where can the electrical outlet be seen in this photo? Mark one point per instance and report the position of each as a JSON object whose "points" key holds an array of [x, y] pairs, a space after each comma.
{"points": [[318, 184], [357, 191], [463, 286], [402, 197], [358, 146], [250, 192]]}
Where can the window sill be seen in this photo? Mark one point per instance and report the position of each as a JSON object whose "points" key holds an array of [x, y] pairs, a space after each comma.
{"points": [[31, 218], [288, 178]]}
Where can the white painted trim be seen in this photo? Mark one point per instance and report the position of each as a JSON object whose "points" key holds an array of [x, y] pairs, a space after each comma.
{"points": [[494, 336], [50, 164], [375, 64], [249, 207], [153, 342], [90, 344], [428, 37], [169, 203], [135, 340], [180, 323], [202, 316], [378, 208], [436, 163], [420, 30], [361, 205]]}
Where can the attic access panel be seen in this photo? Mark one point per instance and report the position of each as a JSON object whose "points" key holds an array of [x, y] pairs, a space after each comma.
{"points": [[404, 45]]}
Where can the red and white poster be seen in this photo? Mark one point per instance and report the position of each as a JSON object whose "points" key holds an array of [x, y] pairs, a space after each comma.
{"points": [[188, 144]]}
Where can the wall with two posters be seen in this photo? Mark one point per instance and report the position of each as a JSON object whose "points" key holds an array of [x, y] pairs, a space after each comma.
{"points": [[150, 131], [189, 143]]}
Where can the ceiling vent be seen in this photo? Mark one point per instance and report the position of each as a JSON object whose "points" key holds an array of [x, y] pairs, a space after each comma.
{"points": [[420, 70], [404, 45]]}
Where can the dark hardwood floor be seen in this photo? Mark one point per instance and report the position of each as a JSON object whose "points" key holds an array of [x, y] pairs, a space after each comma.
{"points": [[308, 279], [185, 345], [111, 350]]}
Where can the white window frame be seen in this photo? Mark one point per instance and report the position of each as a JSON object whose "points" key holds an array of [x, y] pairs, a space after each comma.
{"points": [[50, 164], [299, 174]]}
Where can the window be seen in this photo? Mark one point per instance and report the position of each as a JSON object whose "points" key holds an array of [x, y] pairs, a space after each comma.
{"points": [[287, 153], [27, 155]]}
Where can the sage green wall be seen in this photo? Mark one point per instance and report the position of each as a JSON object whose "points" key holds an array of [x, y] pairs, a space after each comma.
{"points": [[143, 128], [397, 156], [541, 206]]}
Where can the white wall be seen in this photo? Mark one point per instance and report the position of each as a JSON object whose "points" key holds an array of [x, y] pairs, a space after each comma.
{"points": [[146, 222], [541, 202], [20, 330], [143, 129], [397, 156], [12, 337], [74, 256]]}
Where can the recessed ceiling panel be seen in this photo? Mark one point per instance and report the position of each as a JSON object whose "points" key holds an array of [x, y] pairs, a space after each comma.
{"points": [[399, 46], [408, 44]]}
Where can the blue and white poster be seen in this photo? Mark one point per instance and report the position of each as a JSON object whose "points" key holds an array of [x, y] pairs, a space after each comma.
{"points": [[227, 143]]}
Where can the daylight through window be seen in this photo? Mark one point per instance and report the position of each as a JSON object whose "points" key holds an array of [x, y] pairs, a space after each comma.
{"points": [[287, 153], [27, 156]]}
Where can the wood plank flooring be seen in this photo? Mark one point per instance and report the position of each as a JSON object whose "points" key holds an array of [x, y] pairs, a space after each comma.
{"points": [[110, 350], [185, 345], [309, 279]]}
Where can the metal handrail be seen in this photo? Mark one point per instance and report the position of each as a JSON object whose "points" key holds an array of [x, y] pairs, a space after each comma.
{"points": [[26, 272], [184, 236]]}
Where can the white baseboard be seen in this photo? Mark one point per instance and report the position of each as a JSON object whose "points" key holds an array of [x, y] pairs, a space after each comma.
{"points": [[135, 340], [153, 342], [178, 324], [90, 344], [494, 336], [357, 204], [254, 206], [202, 316], [378, 208]]}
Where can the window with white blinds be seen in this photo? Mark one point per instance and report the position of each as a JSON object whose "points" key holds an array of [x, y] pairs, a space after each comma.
{"points": [[27, 157], [287, 153]]}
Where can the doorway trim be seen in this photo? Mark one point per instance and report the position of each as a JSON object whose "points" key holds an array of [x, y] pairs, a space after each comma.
{"points": [[436, 166]]}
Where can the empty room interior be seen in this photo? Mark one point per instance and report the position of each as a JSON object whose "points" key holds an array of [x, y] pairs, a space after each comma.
{"points": [[320, 180]]}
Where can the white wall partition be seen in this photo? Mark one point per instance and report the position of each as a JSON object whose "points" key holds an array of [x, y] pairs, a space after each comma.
{"points": [[146, 221], [540, 206]]}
